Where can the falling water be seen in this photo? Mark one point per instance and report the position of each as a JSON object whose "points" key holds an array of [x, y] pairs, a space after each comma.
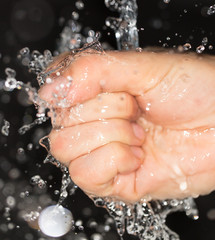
{"points": [[125, 26]]}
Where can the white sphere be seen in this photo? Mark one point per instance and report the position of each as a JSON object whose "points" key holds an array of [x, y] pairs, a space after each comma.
{"points": [[55, 221]]}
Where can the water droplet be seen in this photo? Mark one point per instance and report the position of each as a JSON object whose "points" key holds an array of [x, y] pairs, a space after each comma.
{"points": [[30, 217], [11, 201], [79, 223], [210, 47], [20, 151], [183, 186], [30, 146], [5, 128], [204, 41], [24, 51], [79, 4], [211, 214], [187, 46], [56, 192], [96, 236], [37, 180], [10, 72], [75, 15], [200, 49], [211, 10], [148, 107]]}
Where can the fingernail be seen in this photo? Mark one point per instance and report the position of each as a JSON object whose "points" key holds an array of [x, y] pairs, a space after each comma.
{"points": [[138, 131], [138, 152]]}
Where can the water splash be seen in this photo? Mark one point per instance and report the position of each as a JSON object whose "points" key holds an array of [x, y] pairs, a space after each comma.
{"points": [[11, 84], [143, 219], [35, 61], [146, 220], [73, 54], [70, 37], [27, 127], [125, 26], [67, 185]]}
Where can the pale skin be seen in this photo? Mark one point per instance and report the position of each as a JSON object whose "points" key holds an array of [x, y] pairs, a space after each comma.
{"points": [[136, 125]]}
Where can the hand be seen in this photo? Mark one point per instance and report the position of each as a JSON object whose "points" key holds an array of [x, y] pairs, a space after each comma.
{"points": [[136, 125]]}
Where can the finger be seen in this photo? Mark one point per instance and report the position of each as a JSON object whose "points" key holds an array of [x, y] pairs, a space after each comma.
{"points": [[104, 106], [96, 172], [69, 143], [131, 72]]}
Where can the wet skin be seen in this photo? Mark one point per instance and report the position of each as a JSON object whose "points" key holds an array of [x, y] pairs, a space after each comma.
{"points": [[136, 125]]}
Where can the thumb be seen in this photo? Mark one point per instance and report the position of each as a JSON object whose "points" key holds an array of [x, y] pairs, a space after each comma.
{"points": [[91, 74]]}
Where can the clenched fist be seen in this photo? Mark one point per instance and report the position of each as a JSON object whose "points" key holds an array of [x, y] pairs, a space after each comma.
{"points": [[135, 124]]}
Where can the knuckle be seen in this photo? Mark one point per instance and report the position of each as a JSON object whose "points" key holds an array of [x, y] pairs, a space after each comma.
{"points": [[87, 60], [118, 149], [90, 184]]}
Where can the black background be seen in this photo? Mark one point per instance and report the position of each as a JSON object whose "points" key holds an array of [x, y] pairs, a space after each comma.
{"points": [[181, 21]]}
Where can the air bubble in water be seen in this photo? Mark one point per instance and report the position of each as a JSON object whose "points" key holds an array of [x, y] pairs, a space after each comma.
{"points": [[55, 221]]}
